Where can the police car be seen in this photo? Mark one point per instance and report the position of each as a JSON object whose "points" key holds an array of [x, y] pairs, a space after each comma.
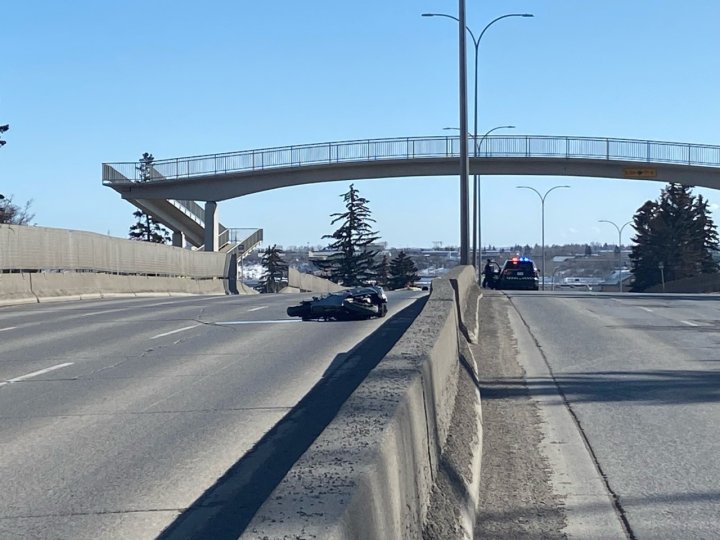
{"points": [[518, 273]]}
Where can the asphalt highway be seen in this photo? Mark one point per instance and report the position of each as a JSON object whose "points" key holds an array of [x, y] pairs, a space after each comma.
{"points": [[115, 415], [641, 374]]}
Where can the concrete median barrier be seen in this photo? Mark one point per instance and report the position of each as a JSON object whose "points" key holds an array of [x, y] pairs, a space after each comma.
{"points": [[16, 288], [308, 283], [65, 286], [20, 288], [370, 473]]}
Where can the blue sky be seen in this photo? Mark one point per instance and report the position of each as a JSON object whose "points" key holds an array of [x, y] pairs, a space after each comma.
{"points": [[87, 82]]}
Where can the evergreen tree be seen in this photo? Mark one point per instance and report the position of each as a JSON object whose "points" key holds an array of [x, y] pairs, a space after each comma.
{"points": [[643, 258], [403, 271], [382, 272], [146, 228], [676, 231], [145, 167], [705, 228], [275, 269], [354, 262]]}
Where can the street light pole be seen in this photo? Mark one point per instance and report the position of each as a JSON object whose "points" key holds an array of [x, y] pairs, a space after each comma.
{"points": [[542, 208], [619, 230], [476, 194], [464, 161], [476, 44]]}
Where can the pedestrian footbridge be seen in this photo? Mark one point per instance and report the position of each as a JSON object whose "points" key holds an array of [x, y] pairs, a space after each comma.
{"points": [[218, 177]]}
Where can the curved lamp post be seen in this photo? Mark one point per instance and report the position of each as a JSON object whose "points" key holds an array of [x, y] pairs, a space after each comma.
{"points": [[619, 230], [476, 43], [542, 204]]}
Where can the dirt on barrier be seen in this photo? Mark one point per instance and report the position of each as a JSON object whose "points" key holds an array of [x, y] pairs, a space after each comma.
{"points": [[515, 498]]}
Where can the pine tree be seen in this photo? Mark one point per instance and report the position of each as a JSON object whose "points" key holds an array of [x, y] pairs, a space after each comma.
{"points": [[146, 228], [403, 272], [676, 231], [145, 167], [354, 262], [275, 269], [705, 228], [382, 271], [643, 258]]}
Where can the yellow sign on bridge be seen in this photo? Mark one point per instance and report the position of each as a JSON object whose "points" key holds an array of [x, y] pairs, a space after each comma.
{"points": [[644, 172]]}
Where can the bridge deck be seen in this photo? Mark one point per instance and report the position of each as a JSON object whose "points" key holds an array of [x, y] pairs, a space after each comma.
{"points": [[415, 148]]}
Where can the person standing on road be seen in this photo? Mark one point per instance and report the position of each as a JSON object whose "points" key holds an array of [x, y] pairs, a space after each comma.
{"points": [[487, 274]]}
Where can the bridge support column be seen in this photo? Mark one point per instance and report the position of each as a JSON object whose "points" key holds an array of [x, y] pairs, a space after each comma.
{"points": [[178, 239], [211, 226]]}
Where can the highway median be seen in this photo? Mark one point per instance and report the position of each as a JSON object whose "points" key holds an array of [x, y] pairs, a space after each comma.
{"points": [[371, 472]]}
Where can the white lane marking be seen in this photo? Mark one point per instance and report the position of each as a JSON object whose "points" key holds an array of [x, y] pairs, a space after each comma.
{"points": [[222, 323], [103, 312], [689, 323], [36, 373], [175, 331], [257, 308], [128, 308], [8, 328], [647, 309]]}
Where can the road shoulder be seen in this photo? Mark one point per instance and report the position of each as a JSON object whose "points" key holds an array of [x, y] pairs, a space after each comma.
{"points": [[517, 499], [571, 471]]}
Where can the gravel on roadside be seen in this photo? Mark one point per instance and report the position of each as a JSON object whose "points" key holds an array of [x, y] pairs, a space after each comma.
{"points": [[516, 498]]}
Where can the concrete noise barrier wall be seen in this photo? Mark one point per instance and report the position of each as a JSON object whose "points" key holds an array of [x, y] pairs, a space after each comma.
{"points": [[41, 263], [369, 475], [25, 248], [309, 283]]}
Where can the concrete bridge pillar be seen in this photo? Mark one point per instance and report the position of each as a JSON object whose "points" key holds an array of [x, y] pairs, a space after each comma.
{"points": [[211, 226], [178, 239]]}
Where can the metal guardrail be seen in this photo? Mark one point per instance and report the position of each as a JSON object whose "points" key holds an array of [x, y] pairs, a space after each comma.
{"points": [[240, 240], [419, 147], [193, 208]]}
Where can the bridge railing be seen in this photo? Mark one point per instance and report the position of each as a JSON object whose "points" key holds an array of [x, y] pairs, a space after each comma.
{"points": [[496, 146]]}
